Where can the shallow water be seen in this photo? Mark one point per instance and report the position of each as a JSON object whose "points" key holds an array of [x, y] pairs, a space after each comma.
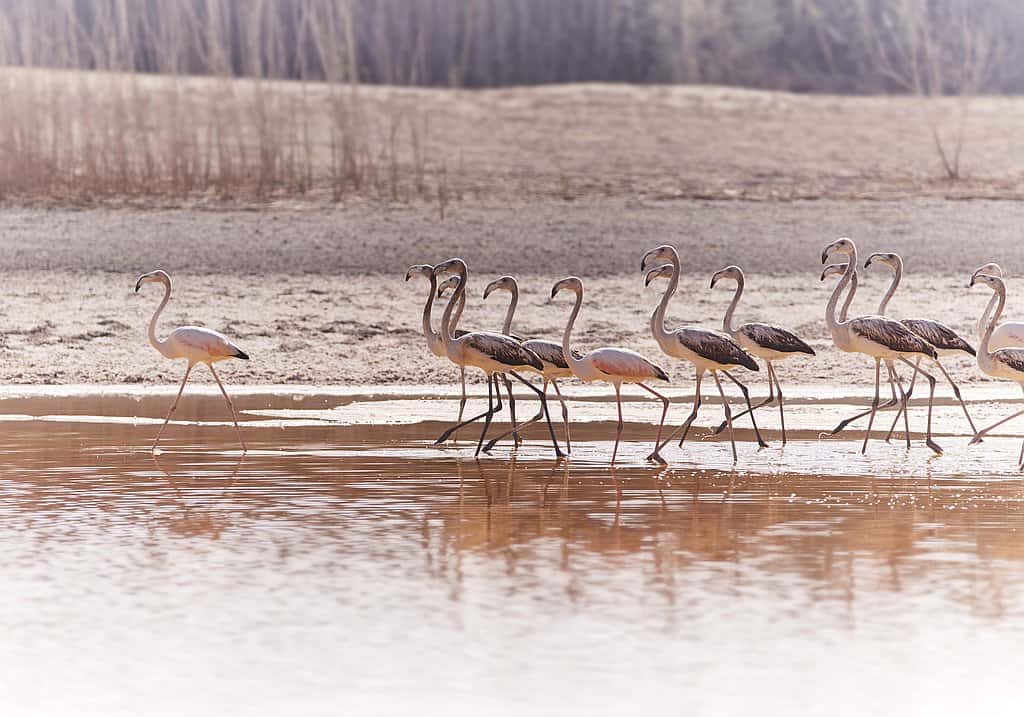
{"points": [[344, 568]]}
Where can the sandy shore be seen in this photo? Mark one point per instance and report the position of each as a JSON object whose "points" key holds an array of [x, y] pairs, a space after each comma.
{"points": [[317, 296]]}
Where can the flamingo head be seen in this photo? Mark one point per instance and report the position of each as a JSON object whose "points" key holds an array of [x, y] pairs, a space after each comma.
{"points": [[832, 270], [729, 272], [159, 276], [570, 283], [893, 261], [843, 245], [666, 253], [505, 283], [451, 283], [419, 270], [451, 266], [990, 269], [993, 282], [658, 272]]}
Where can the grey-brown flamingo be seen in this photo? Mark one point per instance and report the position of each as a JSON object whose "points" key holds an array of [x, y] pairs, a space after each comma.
{"points": [[450, 284], [434, 340], [707, 350], [764, 341], [839, 270], [611, 364], [946, 341], [549, 352], [1006, 363], [494, 354], [877, 337]]}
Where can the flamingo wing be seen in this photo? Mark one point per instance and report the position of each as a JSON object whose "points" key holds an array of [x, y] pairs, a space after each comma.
{"points": [[715, 346], [892, 334], [1014, 358], [198, 339], [775, 338], [625, 363], [503, 349], [938, 335]]}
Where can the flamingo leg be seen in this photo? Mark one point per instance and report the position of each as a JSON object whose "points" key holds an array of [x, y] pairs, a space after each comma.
{"points": [[728, 414], [901, 412], [565, 415], [782, 412], [931, 402], [956, 392], [685, 427], [618, 429], [516, 440], [234, 416], [173, 406], [462, 401], [544, 407], [985, 431], [744, 412], [750, 410], [444, 436], [905, 398], [874, 405], [906, 401], [664, 412], [887, 405], [492, 386]]}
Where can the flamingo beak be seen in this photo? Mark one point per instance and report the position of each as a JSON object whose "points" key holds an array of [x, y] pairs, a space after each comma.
{"points": [[824, 255], [971, 285], [138, 285], [868, 262]]}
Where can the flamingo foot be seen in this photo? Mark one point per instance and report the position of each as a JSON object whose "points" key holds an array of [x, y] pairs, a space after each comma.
{"points": [[655, 457], [934, 446], [977, 439]]}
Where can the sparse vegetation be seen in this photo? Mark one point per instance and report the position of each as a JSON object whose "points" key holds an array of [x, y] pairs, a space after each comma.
{"points": [[300, 124]]}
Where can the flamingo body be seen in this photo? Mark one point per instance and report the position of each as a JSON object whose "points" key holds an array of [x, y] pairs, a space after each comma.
{"points": [[200, 345]]}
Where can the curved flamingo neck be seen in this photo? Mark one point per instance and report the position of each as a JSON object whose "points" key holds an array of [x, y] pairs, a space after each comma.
{"points": [[658, 329], [511, 311], [849, 296], [447, 325], [727, 321], [983, 321], [156, 343], [566, 351], [1000, 296], [836, 325], [428, 332], [897, 277]]}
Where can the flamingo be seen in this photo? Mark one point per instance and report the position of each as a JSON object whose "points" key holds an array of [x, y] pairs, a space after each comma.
{"points": [[193, 343], [1007, 334], [707, 350], [434, 341], [494, 354], [878, 337], [839, 269], [944, 339], [764, 341], [549, 352], [611, 364], [1005, 363], [451, 283]]}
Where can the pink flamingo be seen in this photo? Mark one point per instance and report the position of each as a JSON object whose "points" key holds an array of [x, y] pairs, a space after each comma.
{"points": [[193, 343], [611, 364]]}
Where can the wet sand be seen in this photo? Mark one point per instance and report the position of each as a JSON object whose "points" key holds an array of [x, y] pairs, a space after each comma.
{"points": [[348, 566], [317, 296]]}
